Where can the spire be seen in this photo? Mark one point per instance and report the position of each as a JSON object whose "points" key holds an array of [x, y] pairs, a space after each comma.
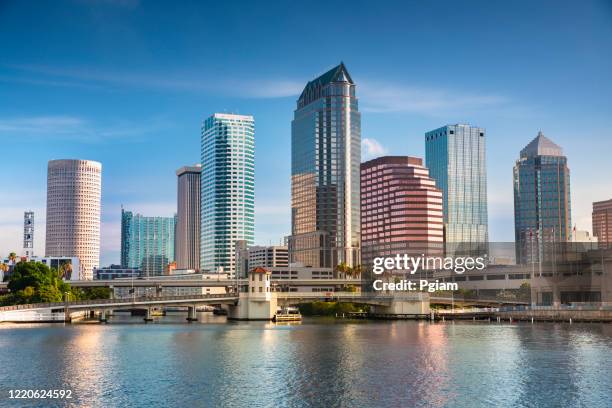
{"points": [[312, 90], [541, 146]]}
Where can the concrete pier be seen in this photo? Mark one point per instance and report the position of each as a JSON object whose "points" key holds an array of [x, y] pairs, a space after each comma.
{"points": [[191, 314]]}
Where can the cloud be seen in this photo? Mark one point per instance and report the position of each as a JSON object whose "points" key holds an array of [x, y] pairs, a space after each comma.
{"points": [[72, 128], [371, 148], [382, 97], [168, 81]]}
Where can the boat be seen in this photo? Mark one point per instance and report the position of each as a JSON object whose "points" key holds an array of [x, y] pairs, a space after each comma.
{"points": [[288, 314]]}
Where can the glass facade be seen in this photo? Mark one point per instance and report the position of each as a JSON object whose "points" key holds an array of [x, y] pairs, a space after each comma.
{"points": [[227, 189], [542, 206], [325, 159], [147, 243], [456, 158]]}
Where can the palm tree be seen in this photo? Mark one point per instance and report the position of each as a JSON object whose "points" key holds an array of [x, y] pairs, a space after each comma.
{"points": [[341, 268], [357, 269]]}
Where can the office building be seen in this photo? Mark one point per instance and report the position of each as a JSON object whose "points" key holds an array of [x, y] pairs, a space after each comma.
{"points": [[602, 223], [325, 159], [227, 189], [456, 158], [147, 243], [542, 206], [187, 245], [268, 256], [401, 209], [73, 212], [116, 272]]}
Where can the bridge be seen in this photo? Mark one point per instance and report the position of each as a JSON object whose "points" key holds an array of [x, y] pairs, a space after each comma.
{"points": [[404, 304], [197, 283]]}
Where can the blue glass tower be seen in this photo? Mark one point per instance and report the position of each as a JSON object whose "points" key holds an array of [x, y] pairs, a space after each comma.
{"points": [[147, 243], [227, 189], [542, 205], [456, 158]]}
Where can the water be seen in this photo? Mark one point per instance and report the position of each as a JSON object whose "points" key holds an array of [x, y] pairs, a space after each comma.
{"points": [[319, 363]]}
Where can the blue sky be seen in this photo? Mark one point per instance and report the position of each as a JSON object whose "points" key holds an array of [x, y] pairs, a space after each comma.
{"points": [[128, 83]]}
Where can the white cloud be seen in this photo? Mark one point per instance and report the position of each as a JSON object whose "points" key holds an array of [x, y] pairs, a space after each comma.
{"points": [[382, 97], [73, 128], [169, 81], [371, 148]]}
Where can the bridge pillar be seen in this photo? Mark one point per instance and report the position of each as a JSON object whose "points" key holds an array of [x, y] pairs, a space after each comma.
{"points": [[148, 317], [67, 317], [103, 317], [158, 290], [112, 291], [191, 314], [404, 307]]}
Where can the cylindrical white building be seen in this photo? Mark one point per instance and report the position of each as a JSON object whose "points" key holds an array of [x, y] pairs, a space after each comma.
{"points": [[73, 212]]}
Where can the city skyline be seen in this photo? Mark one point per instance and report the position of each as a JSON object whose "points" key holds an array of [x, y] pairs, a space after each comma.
{"points": [[82, 102]]}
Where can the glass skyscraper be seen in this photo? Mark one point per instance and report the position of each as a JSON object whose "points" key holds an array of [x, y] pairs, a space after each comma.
{"points": [[456, 158], [147, 243], [325, 159], [542, 206], [227, 189]]}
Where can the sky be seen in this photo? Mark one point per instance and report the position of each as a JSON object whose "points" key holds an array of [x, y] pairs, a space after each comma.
{"points": [[128, 83]]}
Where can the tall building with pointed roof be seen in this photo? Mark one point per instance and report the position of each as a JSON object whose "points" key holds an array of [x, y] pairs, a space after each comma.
{"points": [[542, 204], [325, 160]]}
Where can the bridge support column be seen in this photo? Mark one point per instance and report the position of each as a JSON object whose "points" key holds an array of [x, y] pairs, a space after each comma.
{"points": [[112, 292], [103, 317], [191, 314], [67, 317], [158, 290], [148, 317]]}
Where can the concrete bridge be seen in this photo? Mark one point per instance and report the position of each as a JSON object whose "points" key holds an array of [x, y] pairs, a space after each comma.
{"points": [[63, 311], [256, 300]]}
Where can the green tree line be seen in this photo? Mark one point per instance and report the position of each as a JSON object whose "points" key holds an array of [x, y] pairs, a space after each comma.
{"points": [[35, 282]]}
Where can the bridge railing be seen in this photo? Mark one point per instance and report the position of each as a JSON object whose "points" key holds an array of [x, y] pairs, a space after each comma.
{"points": [[113, 301], [351, 295]]}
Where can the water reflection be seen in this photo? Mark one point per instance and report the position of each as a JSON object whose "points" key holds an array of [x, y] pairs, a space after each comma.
{"points": [[321, 362]]}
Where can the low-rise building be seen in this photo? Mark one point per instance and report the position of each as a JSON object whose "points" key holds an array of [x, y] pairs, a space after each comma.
{"points": [[116, 272]]}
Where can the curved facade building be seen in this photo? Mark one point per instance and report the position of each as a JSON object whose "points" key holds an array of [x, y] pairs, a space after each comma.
{"points": [[187, 239], [73, 212], [401, 209]]}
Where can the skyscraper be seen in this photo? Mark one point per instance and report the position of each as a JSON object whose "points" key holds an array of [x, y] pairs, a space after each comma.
{"points": [[187, 240], [73, 212], [456, 158], [401, 209], [602, 223], [227, 189], [325, 159], [147, 243], [542, 206]]}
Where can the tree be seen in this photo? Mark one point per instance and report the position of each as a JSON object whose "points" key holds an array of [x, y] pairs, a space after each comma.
{"points": [[357, 270], [35, 282], [341, 268], [524, 291], [12, 257]]}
